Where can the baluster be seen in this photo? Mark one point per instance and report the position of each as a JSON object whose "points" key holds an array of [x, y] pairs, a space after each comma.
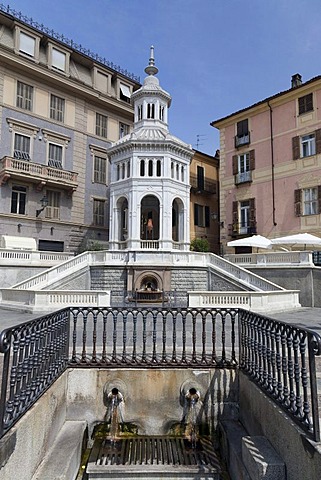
{"points": [[204, 316], [174, 318], [183, 316], [134, 313], [269, 357], [278, 363], [233, 320], [298, 397], [74, 337], [124, 355], [291, 372], [144, 337], [94, 353], [84, 337], [114, 353], [154, 337], [304, 379], [104, 338], [284, 367], [214, 358], [194, 313], [264, 372], [164, 356]]}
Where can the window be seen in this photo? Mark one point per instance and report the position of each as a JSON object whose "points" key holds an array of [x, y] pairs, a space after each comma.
{"points": [[243, 165], [124, 93], [18, 199], [55, 155], [244, 217], [150, 110], [150, 168], [53, 208], [200, 178], [242, 133], [24, 96], [27, 44], [100, 165], [140, 112], [307, 201], [158, 168], [123, 130], [305, 104], [21, 147], [308, 145], [201, 215], [58, 60], [57, 108], [101, 125], [142, 168], [99, 212], [161, 112]]}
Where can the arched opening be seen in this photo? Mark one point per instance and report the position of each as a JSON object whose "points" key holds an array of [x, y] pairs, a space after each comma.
{"points": [[122, 209], [149, 218], [177, 220]]}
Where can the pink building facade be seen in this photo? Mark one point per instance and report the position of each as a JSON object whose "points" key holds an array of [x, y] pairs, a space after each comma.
{"points": [[270, 165]]}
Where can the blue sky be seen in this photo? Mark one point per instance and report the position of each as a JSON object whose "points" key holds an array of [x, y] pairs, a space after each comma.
{"points": [[214, 56]]}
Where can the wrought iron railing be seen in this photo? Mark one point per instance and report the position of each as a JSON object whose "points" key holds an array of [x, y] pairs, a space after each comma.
{"points": [[280, 359], [61, 38]]}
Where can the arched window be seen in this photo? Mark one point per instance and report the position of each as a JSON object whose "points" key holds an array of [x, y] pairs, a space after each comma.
{"points": [[158, 168], [142, 168], [150, 168], [140, 112], [161, 112], [172, 170], [182, 174], [128, 169], [177, 172], [150, 110], [118, 172]]}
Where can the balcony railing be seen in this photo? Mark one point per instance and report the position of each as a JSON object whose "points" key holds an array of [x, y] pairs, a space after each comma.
{"points": [[36, 173], [243, 177], [241, 140], [204, 186], [237, 229], [279, 358]]}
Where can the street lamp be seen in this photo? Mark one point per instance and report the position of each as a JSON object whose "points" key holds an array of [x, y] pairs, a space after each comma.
{"points": [[44, 204]]}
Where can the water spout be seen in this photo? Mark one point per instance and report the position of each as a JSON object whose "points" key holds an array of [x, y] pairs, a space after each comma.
{"points": [[115, 400], [191, 431]]}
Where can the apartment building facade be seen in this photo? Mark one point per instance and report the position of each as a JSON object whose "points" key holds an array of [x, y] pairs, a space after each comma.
{"points": [[61, 107], [204, 179], [270, 165]]}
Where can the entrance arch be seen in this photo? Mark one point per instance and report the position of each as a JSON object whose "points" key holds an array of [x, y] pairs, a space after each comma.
{"points": [[149, 227]]}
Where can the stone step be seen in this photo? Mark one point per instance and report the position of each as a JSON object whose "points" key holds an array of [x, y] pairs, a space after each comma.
{"points": [[63, 458]]}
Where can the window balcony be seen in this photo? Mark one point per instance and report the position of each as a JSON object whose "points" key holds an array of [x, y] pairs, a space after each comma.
{"points": [[207, 187], [241, 140], [243, 177], [237, 230], [42, 175]]}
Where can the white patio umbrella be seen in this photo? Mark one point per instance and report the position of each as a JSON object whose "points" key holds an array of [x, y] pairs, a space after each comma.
{"points": [[257, 241], [298, 240]]}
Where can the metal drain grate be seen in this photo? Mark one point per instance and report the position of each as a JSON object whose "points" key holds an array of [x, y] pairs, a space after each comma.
{"points": [[156, 451]]}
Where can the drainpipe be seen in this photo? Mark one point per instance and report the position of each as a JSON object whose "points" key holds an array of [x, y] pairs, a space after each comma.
{"points": [[272, 165]]}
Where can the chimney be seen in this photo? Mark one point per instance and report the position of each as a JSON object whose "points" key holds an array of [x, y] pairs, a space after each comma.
{"points": [[296, 80]]}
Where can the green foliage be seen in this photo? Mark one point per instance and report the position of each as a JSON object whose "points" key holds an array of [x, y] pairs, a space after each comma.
{"points": [[90, 245], [200, 245]]}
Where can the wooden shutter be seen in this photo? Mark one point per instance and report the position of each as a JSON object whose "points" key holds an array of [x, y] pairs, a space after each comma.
{"points": [[235, 216], [318, 141], [298, 203], [252, 160], [235, 165], [207, 216], [296, 148], [252, 215], [319, 199]]}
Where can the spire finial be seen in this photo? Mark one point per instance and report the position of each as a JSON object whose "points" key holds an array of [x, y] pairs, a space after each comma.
{"points": [[151, 69]]}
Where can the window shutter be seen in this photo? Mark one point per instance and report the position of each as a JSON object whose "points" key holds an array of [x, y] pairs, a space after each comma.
{"points": [[318, 141], [235, 217], [235, 165], [252, 160], [195, 214], [296, 148], [207, 216], [297, 203], [252, 212], [319, 199]]}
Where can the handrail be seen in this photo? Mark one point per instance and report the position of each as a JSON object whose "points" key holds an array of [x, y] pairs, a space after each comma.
{"points": [[280, 359]]}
